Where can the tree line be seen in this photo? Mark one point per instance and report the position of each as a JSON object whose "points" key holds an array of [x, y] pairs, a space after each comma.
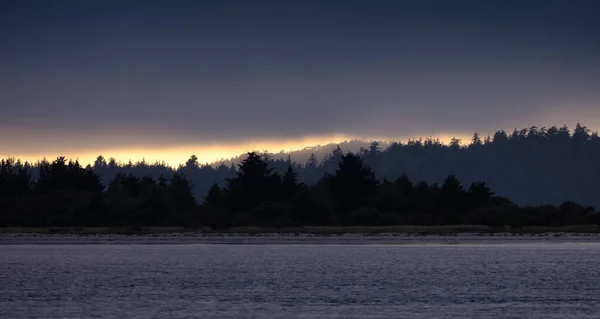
{"points": [[67, 194], [531, 166]]}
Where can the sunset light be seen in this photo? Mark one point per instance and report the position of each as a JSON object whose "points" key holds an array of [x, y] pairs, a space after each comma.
{"points": [[174, 156]]}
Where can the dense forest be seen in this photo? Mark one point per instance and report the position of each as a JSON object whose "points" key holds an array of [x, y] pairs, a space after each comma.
{"points": [[256, 193], [531, 166]]}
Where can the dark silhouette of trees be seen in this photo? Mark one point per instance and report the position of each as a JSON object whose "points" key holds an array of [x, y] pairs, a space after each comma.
{"points": [[534, 176], [532, 166], [479, 195], [254, 183], [215, 197], [65, 176], [352, 185], [15, 186], [289, 185], [66, 194], [452, 197]]}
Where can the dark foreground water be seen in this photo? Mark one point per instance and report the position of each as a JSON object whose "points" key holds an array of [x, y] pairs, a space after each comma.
{"points": [[516, 280]]}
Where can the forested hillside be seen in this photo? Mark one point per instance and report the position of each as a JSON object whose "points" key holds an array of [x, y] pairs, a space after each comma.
{"points": [[66, 194], [530, 166]]}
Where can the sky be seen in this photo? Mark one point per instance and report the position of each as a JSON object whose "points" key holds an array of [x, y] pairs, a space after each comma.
{"points": [[167, 79]]}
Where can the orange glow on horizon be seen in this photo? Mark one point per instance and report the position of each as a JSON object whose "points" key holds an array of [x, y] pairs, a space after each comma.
{"points": [[175, 156]]}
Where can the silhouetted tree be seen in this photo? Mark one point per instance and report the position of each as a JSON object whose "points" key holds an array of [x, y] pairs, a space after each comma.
{"points": [[289, 184], [255, 183], [353, 184], [215, 197]]}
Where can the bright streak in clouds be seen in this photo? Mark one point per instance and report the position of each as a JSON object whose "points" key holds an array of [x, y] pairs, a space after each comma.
{"points": [[174, 156], [165, 80]]}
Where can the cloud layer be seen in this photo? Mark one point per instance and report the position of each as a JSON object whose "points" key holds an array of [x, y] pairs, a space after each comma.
{"points": [[110, 75]]}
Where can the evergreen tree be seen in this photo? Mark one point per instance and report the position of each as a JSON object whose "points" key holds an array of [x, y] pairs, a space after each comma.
{"points": [[353, 184], [181, 191], [289, 184], [312, 162], [452, 199], [479, 195], [214, 197], [476, 141], [255, 183]]}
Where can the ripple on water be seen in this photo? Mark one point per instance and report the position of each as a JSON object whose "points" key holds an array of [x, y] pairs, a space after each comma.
{"points": [[299, 281]]}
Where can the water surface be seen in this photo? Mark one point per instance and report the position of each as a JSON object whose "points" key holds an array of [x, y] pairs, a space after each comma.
{"points": [[513, 280]]}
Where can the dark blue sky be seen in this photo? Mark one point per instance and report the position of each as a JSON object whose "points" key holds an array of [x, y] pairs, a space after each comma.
{"points": [[97, 74]]}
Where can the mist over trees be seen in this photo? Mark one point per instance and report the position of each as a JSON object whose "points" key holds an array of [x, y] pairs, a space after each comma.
{"points": [[528, 167]]}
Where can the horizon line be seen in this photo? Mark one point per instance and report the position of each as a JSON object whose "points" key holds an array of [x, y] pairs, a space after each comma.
{"points": [[212, 154]]}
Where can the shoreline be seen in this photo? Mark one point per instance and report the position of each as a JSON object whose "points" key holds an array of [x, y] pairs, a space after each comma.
{"points": [[307, 230], [392, 235], [279, 239]]}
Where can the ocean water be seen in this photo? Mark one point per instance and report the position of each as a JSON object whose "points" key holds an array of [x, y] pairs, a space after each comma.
{"points": [[516, 280]]}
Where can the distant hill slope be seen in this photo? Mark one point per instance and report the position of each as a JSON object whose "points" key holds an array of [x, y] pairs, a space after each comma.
{"points": [[529, 166], [302, 155]]}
